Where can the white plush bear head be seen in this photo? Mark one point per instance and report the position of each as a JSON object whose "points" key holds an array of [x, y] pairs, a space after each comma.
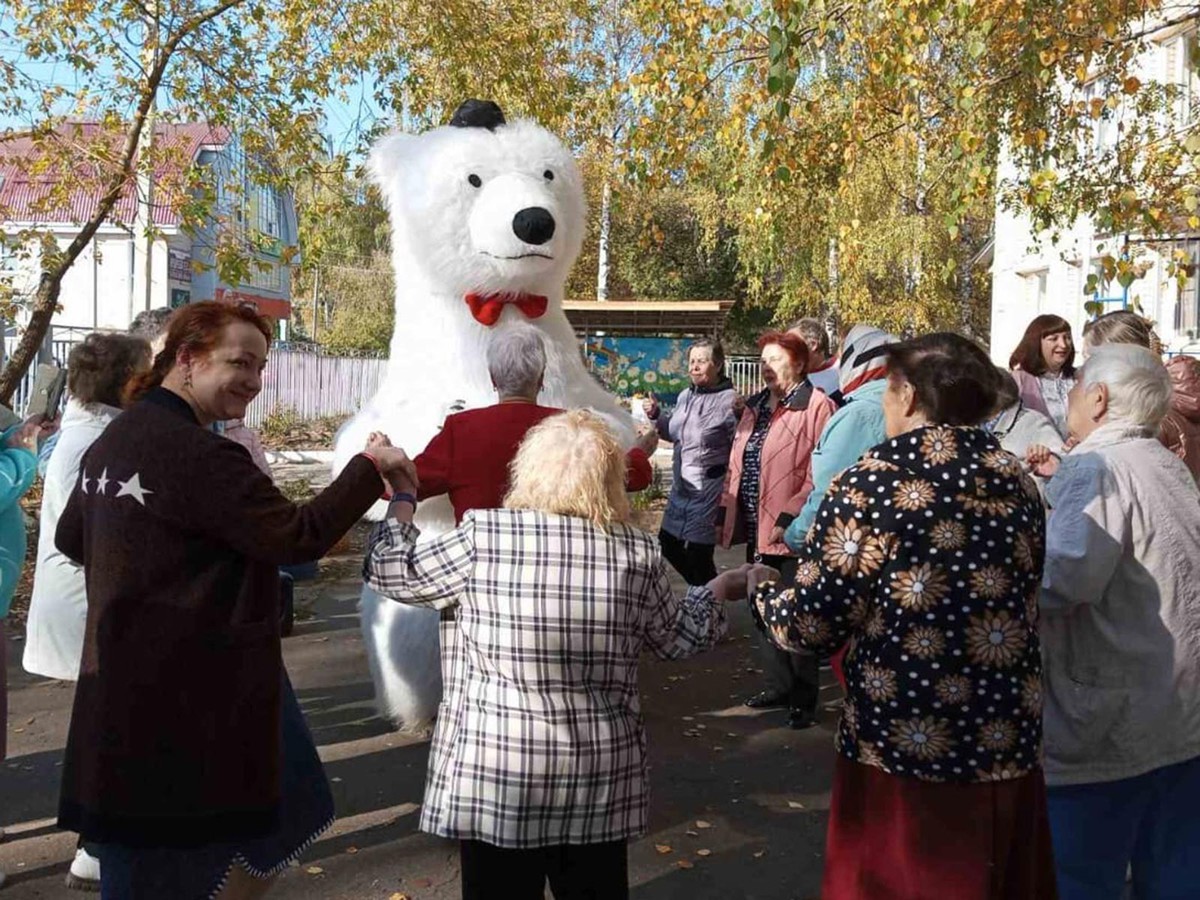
{"points": [[483, 206]]}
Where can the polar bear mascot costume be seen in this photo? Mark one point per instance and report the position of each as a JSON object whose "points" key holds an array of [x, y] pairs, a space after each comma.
{"points": [[487, 219]]}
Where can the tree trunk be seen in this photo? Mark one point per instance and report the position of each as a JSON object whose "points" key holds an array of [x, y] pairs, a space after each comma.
{"points": [[605, 238], [44, 306], [46, 301]]}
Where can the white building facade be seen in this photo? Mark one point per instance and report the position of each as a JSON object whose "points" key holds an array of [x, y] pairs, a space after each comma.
{"points": [[1033, 275], [112, 280]]}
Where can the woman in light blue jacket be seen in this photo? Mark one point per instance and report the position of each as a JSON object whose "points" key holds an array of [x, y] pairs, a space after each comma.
{"points": [[701, 426], [855, 428], [18, 468]]}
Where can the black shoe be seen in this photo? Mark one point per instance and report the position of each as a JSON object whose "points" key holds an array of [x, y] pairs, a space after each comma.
{"points": [[800, 719], [767, 700]]}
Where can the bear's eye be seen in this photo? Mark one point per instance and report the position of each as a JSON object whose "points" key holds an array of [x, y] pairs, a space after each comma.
{"points": [[548, 175], [475, 180]]}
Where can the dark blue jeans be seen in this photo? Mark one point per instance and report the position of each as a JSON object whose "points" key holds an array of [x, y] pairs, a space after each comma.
{"points": [[1151, 822]]}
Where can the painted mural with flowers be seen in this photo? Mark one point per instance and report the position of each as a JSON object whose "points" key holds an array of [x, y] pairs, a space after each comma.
{"points": [[631, 366]]}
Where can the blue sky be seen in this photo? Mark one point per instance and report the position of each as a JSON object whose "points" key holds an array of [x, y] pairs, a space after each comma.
{"points": [[347, 119]]}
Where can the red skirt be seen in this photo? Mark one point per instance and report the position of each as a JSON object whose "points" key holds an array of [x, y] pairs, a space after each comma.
{"points": [[904, 839]]}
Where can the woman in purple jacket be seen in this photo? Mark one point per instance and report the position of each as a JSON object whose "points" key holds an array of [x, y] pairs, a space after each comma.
{"points": [[701, 427]]}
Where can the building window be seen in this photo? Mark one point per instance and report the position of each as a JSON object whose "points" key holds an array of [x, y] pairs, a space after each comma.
{"points": [[1179, 54], [1035, 290], [1104, 128], [268, 212], [8, 257], [269, 279], [1187, 310]]}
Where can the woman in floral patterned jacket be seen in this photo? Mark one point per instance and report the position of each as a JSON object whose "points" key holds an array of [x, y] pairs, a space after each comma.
{"points": [[926, 555]]}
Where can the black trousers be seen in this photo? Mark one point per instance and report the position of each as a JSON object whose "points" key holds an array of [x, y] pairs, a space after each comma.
{"points": [[796, 676], [691, 560], [575, 871]]}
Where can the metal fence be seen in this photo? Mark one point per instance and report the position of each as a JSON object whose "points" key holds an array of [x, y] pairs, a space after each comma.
{"points": [[311, 384], [315, 385], [60, 349], [745, 372]]}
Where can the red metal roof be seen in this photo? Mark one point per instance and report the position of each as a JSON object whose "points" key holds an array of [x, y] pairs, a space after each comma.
{"points": [[81, 151]]}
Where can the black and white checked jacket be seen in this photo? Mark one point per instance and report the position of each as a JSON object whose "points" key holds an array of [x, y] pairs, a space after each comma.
{"points": [[539, 739]]}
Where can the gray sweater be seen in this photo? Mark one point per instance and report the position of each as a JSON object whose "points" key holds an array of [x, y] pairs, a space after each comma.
{"points": [[701, 427]]}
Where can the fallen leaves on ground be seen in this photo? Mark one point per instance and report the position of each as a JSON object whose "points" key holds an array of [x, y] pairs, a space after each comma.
{"points": [[287, 431], [684, 864], [664, 849], [700, 823], [703, 852], [315, 870]]}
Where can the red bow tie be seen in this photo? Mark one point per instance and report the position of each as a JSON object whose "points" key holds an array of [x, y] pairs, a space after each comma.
{"points": [[486, 308]]}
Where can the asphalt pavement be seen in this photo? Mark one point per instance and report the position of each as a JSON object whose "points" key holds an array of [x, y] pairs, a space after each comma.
{"points": [[738, 800]]}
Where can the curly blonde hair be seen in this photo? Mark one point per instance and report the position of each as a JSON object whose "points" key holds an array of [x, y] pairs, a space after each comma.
{"points": [[570, 465]]}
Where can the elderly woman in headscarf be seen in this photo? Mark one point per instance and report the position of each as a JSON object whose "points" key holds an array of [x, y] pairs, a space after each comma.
{"points": [[855, 428]]}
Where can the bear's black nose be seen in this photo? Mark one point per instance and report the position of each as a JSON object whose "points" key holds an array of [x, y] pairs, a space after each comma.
{"points": [[533, 225]]}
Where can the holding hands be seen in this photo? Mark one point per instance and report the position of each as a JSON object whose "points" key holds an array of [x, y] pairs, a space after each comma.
{"points": [[397, 469], [738, 583], [647, 439], [31, 431], [1042, 461]]}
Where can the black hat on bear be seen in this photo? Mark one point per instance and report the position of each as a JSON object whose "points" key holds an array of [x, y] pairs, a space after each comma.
{"points": [[478, 114]]}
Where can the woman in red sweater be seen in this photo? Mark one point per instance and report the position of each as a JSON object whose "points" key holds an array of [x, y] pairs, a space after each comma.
{"points": [[469, 458]]}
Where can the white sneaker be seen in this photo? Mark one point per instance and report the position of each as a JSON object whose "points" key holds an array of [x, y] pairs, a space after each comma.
{"points": [[85, 872]]}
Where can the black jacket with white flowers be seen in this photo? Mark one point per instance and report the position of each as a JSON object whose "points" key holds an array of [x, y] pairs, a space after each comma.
{"points": [[926, 555]]}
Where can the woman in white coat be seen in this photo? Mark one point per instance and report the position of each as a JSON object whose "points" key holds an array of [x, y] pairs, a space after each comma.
{"points": [[1023, 431], [97, 371]]}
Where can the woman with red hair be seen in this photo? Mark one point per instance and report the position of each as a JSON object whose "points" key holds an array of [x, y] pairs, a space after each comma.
{"points": [[769, 479], [1044, 368], [188, 761]]}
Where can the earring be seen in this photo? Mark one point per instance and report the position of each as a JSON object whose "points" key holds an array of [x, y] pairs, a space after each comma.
{"points": [[187, 378]]}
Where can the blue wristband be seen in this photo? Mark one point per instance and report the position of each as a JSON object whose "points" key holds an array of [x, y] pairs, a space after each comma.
{"points": [[407, 498]]}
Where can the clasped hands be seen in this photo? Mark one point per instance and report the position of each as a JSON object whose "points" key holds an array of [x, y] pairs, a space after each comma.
{"points": [[397, 469], [31, 432], [743, 581]]}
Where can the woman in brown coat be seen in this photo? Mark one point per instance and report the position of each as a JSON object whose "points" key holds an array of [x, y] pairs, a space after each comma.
{"points": [[188, 761]]}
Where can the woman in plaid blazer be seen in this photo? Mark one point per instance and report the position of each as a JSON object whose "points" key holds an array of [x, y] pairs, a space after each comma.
{"points": [[538, 762]]}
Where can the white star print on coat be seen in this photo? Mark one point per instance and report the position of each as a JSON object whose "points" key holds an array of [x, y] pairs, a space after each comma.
{"points": [[102, 482], [133, 488]]}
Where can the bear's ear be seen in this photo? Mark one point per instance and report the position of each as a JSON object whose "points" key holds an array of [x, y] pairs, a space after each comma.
{"points": [[478, 114], [387, 158]]}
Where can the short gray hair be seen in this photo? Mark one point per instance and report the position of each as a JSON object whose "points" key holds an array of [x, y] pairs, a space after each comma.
{"points": [[1139, 387], [149, 324], [516, 359], [814, 334]]}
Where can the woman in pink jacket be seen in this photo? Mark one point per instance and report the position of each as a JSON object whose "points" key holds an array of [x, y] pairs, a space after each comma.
{"points": [[769, 478]]}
